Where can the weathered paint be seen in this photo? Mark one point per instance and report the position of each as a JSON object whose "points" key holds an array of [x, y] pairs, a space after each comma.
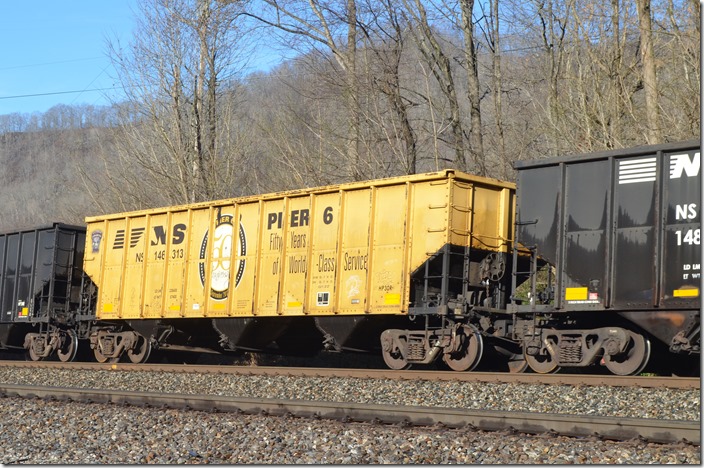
{"points": [[344, 249]]}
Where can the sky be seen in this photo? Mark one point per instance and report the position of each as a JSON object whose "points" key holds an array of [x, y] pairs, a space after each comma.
{"points": [[54, 52]]}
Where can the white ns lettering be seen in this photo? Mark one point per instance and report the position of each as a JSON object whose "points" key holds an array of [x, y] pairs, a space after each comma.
{"points": [[680, 163], [686, 211]]}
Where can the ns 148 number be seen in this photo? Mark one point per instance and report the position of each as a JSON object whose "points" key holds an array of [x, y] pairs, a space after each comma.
{"points": [[691, 237]]}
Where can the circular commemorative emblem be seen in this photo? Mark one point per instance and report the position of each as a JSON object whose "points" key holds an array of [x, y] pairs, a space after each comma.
{"points": [[221, 256]]}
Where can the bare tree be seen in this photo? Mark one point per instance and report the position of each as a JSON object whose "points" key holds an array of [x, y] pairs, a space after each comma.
{"points": [[473, 92], [174, 73], [294, 110], [553, 18], [441, 67], [679, 77], [332, 25], [441, 51], [603, 77], [491, 27], [384, 37]]}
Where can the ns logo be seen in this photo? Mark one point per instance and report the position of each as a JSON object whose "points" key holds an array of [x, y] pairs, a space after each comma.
{"points": [[220, 250], [681, 164], [177, 237]]}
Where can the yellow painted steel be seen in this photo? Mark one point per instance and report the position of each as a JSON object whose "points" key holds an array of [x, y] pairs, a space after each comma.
{"points": [[576, 294], [690, 292], [344, 249]]}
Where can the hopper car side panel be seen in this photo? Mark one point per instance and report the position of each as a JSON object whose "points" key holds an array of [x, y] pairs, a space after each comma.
{"points": [[386, 281], [341, 252], [324, 260], [623, 229], [353, 252]]}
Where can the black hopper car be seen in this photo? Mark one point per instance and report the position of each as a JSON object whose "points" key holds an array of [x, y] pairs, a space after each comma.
{"points": [[616, 238]]}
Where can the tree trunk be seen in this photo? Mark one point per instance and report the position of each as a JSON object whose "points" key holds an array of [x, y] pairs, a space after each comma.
{"points": [[497, 81], [647, 55], [352, 93], [441, 69], [476, 140]]}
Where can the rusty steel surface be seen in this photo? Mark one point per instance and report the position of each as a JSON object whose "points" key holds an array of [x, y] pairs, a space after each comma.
{"points": [[661, 431], [431, 375]]}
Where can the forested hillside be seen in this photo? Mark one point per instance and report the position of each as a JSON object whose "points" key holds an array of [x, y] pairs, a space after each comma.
{"points": [[376, 88], [39, 180]]}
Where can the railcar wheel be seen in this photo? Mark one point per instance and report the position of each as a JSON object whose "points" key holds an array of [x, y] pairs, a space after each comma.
{"points": [[67, 352], [101, 358], [518, 365], [469, 350], [393, 357], [633, 360], [541, 363], [141, 351], [32, 354]]}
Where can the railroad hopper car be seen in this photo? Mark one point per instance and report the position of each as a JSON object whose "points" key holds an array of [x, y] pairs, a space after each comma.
{"points": [[392, 266], [620, 234], [40, 290]]}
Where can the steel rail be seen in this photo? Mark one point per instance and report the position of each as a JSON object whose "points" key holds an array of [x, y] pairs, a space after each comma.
{"points": [[653, 430], [431, 375]]}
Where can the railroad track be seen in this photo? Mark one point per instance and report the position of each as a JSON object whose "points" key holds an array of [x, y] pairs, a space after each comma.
{"points": [[662, 431], [479, 377]]}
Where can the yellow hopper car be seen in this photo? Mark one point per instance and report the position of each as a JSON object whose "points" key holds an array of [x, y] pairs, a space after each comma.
{"points": [[340, 267]]}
